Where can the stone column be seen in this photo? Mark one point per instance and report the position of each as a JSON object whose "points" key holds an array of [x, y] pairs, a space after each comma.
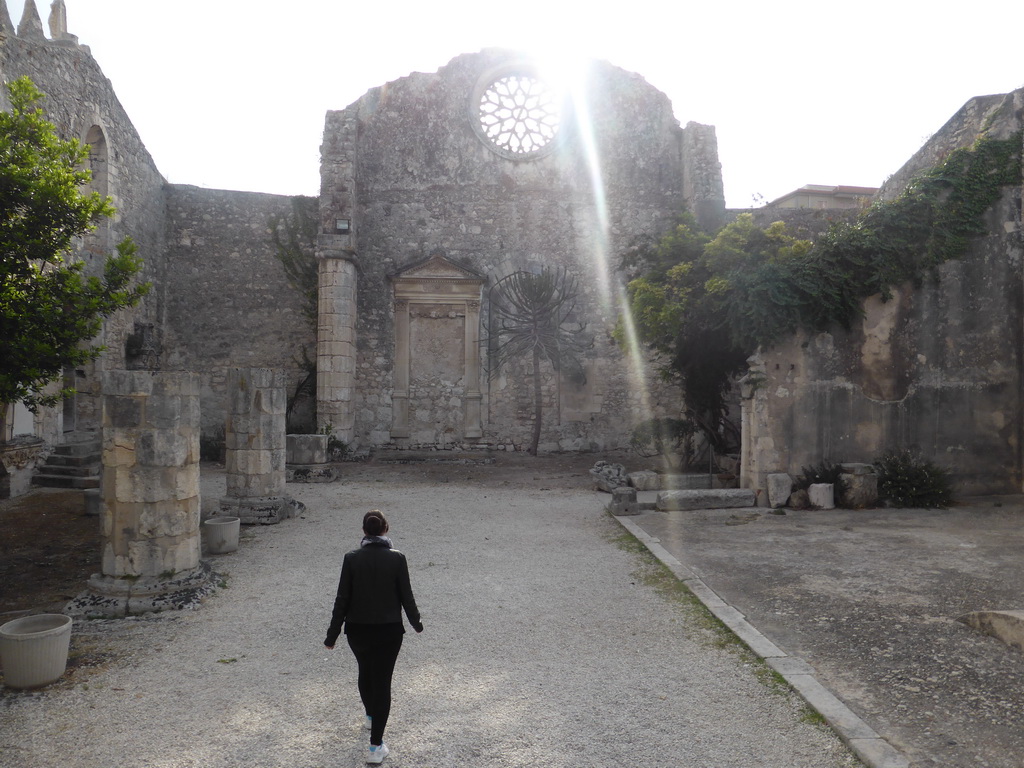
{"points": [[400, 394], [336, 337], [754, 469], [474, 398], [255, 446], [150, 495]]}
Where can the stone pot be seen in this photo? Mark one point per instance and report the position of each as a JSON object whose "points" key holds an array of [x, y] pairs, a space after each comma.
{"points": [[34, 649], [222, 534]]}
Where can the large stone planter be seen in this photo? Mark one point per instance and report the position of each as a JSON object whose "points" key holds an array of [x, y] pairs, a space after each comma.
{"points": [[222, 534], [34, 649]]}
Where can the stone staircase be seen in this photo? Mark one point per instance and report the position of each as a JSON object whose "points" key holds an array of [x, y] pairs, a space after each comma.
{"points": [[74, 464]]}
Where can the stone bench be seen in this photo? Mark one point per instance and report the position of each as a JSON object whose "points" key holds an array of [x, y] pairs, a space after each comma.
{"points": [[724, 498]]}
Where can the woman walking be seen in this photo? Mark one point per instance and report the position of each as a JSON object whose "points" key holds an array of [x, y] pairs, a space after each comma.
{"points": [[373, 590]]}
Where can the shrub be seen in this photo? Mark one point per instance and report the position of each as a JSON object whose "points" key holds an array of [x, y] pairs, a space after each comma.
{"points": [[906, 480], [825, 472], [337, 448]]}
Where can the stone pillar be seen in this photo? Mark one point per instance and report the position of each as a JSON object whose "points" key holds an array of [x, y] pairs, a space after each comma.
{"points": [[403, 361], [474, 398], [255, 446], [336, 337], [150, 495], [758, 455]]}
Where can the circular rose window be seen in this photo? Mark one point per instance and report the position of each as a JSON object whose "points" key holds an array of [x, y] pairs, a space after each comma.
{"points": [[516, 114]]}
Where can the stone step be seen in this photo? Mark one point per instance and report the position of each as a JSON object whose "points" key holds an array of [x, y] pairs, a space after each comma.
{"points": [[80, 448], [723, 498], [74, 464], [75, 471], [87, 460], [65, 481]]}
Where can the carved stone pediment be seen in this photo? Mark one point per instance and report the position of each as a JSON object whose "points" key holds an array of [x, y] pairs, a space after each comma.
{"points": [[438, 280], [438, 268]]}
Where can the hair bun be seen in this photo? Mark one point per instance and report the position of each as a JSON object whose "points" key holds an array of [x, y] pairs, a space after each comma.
{"points": [[374, 523]]}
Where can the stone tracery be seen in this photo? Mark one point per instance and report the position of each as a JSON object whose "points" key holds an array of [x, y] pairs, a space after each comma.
{"points": [[518, 114]]}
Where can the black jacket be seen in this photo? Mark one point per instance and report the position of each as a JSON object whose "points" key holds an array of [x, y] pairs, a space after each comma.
{"points": [[374, 588]]}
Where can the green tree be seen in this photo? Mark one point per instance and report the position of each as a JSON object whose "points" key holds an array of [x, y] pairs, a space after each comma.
{"points": [[532, 317], [708, 303], [49, 308]]}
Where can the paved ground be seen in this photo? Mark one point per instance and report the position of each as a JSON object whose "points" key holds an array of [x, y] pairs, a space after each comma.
{"points": [[544, 642], [870, 599]]}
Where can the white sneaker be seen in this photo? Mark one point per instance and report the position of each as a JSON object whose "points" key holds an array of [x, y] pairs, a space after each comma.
{"points": [[368, 724], [377, 754]]}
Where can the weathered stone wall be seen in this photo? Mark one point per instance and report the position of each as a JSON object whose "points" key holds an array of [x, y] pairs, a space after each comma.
{"points": [[82, 105], [406, 166], [937, 369], [229, 302]]}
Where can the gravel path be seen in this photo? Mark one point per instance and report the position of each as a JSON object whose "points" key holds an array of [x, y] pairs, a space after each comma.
{"points": [[541, 644]]}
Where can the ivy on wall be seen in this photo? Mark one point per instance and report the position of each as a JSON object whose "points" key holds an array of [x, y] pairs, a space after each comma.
{"points": [[708, 303]]}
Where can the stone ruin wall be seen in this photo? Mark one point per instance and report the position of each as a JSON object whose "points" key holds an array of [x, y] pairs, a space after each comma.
{"points": [[405, 164], [229, 302], [936, 370], [220, 299], [80, 98]]}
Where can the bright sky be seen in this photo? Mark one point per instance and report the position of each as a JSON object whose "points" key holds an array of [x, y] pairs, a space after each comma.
{"points": [[232, 94]]}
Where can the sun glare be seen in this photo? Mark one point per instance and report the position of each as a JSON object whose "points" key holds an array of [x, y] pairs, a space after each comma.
{"points": [[566, 72]]}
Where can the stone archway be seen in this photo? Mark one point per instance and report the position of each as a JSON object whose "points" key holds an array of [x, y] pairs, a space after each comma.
{"points": [[437, 397]]}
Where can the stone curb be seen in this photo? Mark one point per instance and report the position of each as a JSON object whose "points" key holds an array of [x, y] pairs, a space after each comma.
{"points": [[867, 745]]}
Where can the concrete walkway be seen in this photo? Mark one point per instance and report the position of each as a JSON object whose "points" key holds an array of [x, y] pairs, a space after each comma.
{"points": [[543, 644], [867, 602]]}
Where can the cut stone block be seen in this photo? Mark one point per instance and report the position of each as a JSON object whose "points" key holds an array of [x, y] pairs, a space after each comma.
{"points": [[1007, 626], [726, 498], [822, 495], [780, 486], [92, 501], [861, 486], [307, 449], [624, 502], [645, 480]]}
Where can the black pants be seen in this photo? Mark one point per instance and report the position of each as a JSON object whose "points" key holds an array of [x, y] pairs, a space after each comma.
{"points": [[376, 650]]}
